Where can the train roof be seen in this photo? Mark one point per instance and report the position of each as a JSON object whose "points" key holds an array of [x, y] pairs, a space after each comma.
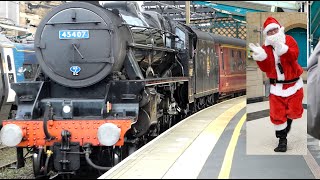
{"points": [[228, 40], [218, 38], [203, 35]]}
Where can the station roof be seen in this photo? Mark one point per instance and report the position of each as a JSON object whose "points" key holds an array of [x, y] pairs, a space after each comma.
{"points": [[217, 9]]}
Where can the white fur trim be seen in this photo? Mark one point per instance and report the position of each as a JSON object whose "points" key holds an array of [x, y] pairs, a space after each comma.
{"points": [[280, 127], [269, 27], [283, 49], [278, 91], [261, 55], [267, 43], [276, 61]]}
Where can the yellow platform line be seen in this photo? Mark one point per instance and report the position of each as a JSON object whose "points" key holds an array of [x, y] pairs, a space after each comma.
{"points": [[192, 160], [227, 161]]}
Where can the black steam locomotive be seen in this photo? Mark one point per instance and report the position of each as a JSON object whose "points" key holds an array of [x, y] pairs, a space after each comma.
{"points": [[111, 79]]}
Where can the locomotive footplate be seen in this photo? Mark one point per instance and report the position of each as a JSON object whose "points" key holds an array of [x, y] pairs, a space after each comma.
{"points": [[66, 154]]}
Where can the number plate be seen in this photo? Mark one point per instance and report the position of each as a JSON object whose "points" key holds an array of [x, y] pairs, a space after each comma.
{"points": [[73, 34]]}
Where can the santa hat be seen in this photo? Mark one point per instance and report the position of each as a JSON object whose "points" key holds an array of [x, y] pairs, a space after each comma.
{"points": [[269, 24]]}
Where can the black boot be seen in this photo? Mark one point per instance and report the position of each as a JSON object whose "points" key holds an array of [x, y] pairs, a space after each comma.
{"points": [[282, 146], [289, 122]]}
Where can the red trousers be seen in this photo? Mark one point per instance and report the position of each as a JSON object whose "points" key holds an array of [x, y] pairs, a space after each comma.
{"points": [[282, 108]]}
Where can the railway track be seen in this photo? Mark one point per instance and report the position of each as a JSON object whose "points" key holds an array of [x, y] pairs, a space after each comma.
{"points": [[4, 147], [11, 163]]}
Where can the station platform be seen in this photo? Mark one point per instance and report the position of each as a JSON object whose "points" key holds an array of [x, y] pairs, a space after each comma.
{"points": [[261, 138], [211, 144]]}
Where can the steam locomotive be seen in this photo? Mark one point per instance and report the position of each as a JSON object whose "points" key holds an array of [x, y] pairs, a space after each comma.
{"points": [[111, 79]]}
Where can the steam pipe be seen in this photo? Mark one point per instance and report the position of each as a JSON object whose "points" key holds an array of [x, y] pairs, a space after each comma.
{"points": [[87, 154]]}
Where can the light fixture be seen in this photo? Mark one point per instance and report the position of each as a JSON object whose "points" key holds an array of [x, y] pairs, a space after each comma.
{"points": [[108, 134], [11, 135]]}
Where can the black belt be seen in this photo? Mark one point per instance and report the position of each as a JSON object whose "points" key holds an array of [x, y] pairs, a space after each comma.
{"points": [[274, 81]]}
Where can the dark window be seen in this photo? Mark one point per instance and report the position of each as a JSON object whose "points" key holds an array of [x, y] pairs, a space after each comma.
{"points": [[231, 61], [239, 52], [191, 47], [180, 41], [9, 63]]}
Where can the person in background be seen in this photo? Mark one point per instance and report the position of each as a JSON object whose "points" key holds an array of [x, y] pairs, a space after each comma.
{"points": [[278, 58]]}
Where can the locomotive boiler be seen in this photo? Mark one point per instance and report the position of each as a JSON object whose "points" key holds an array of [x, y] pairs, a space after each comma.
{"points": [[112, 78]]}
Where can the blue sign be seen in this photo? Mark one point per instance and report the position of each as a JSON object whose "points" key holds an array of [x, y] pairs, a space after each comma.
{"points": [[73, 34], [75, 70]]}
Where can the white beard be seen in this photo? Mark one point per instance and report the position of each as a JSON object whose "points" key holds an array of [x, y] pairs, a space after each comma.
{"points": [[280, 37]]}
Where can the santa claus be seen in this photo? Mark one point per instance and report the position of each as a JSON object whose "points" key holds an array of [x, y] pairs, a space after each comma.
{"points": [[278, 58]]}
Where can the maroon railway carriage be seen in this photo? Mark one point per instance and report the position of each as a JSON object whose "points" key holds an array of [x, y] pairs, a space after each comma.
{"points": [[232, 54]]}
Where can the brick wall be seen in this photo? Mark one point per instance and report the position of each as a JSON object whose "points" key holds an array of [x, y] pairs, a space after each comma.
{"points": [[34, 15]]}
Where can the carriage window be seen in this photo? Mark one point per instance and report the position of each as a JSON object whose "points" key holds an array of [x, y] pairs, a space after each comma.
{"points": [[241, 61], [212, 58], [9, 63], [180, 42], [222, 58], [231, 62]]}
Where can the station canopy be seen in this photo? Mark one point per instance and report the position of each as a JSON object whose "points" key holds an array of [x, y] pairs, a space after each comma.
{"points": [[220, 17]]}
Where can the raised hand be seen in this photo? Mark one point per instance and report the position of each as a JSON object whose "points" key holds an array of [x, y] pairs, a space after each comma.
{"points": [[259, 53]]}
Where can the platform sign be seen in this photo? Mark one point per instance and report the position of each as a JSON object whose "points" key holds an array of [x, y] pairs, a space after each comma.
{"points": [[74, 34]]}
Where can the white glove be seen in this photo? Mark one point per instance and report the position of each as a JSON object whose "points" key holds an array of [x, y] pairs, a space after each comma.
{"points": [[280, 48], [259, 54]]}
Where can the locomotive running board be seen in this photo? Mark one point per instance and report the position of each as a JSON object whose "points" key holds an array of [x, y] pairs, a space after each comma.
{"points": [[151, 82]]}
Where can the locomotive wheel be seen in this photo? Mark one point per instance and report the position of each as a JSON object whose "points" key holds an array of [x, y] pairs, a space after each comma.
{"points": [[166, 123], [208, 101], [38, 163], [198, 104], [201, 103], [117, 155], [193, 108]]}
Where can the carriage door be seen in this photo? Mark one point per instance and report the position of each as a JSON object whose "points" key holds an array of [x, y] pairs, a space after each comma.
{"points": [[216, 66], [191, 64], [10, 73]]}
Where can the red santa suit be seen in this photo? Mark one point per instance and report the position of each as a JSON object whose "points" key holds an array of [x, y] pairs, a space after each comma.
{"points": [[285, 99]]}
